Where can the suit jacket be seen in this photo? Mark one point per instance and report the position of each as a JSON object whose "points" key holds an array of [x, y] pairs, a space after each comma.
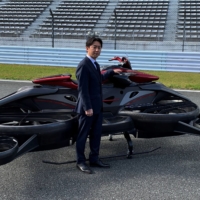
{"points": [[90, 87]]}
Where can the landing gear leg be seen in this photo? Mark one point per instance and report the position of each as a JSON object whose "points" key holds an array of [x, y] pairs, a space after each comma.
{"points": [[110, 137], [130, 144]]}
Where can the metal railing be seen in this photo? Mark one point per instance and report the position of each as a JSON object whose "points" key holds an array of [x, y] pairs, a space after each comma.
{"points": [[69, 57]]}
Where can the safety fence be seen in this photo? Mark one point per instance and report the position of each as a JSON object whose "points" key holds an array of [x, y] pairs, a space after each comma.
{"points": [[69, 57]]}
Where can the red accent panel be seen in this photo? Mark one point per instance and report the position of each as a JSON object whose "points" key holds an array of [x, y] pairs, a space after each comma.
{"points": [[62, 80], [110, 100], [136, 76], [141, 77], [139, 98], [54, 102]]}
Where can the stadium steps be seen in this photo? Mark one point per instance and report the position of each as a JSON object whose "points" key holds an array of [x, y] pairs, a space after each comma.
{"points": [[170, 27], [102, 22], [30, 30]]}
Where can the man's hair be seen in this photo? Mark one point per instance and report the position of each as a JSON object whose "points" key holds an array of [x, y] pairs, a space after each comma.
{"points": [[91, 40]]}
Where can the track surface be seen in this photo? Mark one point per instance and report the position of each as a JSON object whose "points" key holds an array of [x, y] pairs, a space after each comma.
{"points": [[171, 172]]}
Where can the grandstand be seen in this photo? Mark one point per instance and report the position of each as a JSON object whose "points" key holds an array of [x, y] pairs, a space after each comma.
{"points": [[73, 19], [141, 20], [137, 24], [16, 16], [188, 23]]}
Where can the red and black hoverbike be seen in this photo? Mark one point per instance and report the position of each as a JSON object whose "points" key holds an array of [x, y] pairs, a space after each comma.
{"points": [[42, 116]]}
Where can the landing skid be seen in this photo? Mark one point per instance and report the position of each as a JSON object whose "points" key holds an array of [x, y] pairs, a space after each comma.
{"points": [[129, 142], [107, 157], [130, 145], [181, 127], [185, 128], [128, 155]]}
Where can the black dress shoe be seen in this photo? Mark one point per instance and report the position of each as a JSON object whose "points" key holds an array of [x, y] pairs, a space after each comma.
{"points": [[84, 168], [99, 163]]}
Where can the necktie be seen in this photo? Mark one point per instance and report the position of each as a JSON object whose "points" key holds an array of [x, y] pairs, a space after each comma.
{"points": [[97, 66]]}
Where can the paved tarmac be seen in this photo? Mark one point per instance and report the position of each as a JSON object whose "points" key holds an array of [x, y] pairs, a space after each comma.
{"points": [[170, 173]]}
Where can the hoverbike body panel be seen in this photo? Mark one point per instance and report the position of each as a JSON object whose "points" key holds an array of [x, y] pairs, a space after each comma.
{"points": [[27, 91], [160, 87]]}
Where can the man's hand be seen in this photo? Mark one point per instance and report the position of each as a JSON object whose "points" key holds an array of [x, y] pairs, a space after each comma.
{"points": [[89, 112], [118, 71]]}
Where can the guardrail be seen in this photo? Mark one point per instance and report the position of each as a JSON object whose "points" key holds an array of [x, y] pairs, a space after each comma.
{"points": [[68, 57]]}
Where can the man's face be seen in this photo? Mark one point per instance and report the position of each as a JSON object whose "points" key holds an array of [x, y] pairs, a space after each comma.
{"points": [[94, 50]]}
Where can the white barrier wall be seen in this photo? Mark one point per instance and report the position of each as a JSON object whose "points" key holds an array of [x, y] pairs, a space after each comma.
{"points": [[68, 57]]}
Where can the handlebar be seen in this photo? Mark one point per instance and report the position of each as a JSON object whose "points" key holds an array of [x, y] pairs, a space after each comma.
{"points": [[124, 62]]}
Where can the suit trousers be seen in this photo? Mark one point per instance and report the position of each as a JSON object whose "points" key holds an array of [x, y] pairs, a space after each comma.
{"points": [[92, 127]]}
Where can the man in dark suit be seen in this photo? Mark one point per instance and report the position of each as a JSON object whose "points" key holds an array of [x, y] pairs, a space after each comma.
{"points": [[89, 105]]}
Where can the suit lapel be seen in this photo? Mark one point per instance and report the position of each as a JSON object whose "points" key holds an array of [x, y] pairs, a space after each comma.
{"points": [[96, 72]]}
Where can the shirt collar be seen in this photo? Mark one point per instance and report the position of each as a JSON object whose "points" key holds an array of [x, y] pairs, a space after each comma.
{"points": [[91, 59]]}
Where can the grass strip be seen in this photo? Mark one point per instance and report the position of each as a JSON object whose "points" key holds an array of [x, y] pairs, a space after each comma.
{"points": [[179, 80]]}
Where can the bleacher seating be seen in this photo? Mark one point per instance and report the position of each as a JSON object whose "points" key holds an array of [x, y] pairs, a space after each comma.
{"points": [[138, 20], [72, 19], [188, 25], [17, 15]]}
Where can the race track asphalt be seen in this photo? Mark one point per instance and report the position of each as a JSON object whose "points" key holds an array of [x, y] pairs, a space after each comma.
{"points": [[170, 173]]}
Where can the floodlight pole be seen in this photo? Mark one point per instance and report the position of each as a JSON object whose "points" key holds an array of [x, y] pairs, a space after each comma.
{"points": [[52, 25], [184, 32], [115, 26]]}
